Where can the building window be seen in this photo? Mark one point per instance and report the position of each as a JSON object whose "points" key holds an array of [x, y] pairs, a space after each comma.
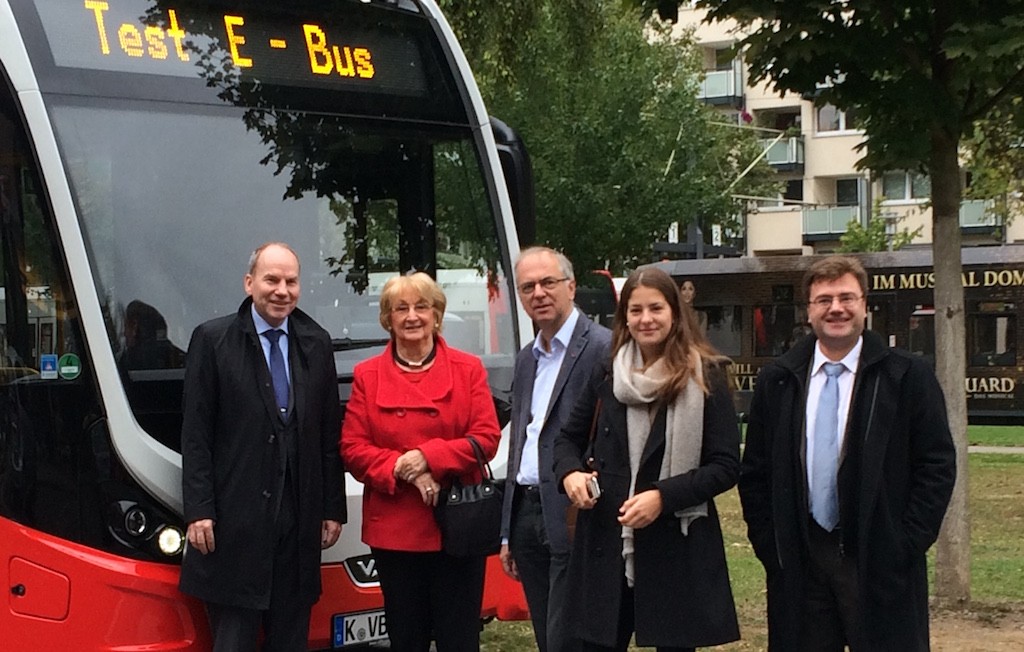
{"points": [[992, 334], [831, 118], [777, 327], [921, 333], [848, 192], [724, 327], [725, 59], [794, 191], [901, 185]]}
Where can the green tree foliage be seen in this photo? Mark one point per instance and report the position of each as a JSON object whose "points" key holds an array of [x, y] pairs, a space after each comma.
{"points": [[994, 153], [873, 237], [621, 147]]}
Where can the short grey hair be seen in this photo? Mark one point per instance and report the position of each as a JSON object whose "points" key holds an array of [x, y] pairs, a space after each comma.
{"points": [[564, 265]]}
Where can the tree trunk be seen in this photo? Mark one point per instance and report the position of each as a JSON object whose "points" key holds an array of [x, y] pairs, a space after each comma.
{"points": [[953, 550]]}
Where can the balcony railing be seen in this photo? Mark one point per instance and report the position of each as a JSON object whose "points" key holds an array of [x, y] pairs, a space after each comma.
{"points": [[829, 220], [787, 152], [721, 86]]}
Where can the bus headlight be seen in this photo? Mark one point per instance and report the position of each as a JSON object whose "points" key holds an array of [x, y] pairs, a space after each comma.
{"points": [[170, 540]]}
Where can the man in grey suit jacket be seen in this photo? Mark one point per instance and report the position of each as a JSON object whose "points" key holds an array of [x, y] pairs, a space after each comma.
{"points": [[549, 374]]}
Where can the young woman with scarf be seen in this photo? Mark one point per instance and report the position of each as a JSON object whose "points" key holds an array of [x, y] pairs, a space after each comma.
{"points": [[657, 429]]}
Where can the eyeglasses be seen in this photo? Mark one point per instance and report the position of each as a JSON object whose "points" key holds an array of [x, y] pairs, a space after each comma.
{"points": [[419, 308], [846, 300], [549, 283]]}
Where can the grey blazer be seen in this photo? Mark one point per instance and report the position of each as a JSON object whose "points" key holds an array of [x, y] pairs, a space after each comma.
{"points": [[590, 344]]}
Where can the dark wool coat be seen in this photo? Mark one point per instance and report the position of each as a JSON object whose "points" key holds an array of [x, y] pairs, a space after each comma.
{"points": [[896, 476], [682, 596], [232, 456]]}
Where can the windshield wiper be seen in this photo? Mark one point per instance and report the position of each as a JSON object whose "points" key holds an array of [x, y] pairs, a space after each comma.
{"points": [[349, 344]]}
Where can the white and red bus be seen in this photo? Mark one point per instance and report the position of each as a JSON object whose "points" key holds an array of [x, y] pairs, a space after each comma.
{"points": [[146, 146]]}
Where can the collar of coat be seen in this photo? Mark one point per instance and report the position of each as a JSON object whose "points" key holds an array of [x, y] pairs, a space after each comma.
{"points": [[798, 357], [395, 391]]}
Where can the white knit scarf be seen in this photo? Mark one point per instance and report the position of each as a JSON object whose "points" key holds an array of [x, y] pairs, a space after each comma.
{"points": [[684, 429]]}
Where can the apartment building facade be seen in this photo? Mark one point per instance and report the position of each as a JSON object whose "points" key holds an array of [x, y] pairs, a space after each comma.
{"points": [[814, 151]]}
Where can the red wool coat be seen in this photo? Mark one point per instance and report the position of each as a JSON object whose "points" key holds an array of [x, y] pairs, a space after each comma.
{"points": [[391, 412]]}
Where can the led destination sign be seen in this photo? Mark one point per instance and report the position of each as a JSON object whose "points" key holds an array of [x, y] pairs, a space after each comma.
{"points": [[336, 49]]}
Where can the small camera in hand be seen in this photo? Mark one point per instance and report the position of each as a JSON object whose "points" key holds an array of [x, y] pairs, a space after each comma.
{"points": [[593, 487]]}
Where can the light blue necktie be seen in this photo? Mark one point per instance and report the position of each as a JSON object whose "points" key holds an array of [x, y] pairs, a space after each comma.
{"points": [[277, 371], [825, 465]]}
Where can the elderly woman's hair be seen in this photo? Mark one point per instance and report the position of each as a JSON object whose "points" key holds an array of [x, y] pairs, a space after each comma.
{"points": [[424, 286]]}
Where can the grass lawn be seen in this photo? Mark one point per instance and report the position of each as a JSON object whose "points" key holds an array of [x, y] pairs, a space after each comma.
{"points": [[995, 435], [979, 435], [997, 537]]}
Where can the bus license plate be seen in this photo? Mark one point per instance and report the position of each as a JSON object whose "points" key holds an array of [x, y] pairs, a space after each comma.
{"points": [[357, 629]]}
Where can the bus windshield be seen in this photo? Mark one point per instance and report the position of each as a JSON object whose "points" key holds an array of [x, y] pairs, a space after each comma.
{"points": [[193, 131], [173, 199]]}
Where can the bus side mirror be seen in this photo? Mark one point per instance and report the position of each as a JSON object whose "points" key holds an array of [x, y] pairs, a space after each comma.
{"points": [[515, 164]]}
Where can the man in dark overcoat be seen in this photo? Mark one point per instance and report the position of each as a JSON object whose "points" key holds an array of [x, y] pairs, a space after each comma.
{"points": [[262, 476], [843, 535], [550, 373]]}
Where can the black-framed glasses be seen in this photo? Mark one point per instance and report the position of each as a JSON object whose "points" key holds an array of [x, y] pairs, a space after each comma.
{"points": [[845, 300], [549, 283]]}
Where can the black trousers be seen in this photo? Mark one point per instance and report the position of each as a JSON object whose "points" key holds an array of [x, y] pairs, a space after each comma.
{"points": [[830, 604], [544, 575], [431, 595], [286, 623]]}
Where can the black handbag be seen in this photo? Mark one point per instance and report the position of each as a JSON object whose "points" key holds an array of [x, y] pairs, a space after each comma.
{"points": [[470, 515]]}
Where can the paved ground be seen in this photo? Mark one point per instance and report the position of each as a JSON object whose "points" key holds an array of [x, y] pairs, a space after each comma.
{"points": [[1007, 450]]}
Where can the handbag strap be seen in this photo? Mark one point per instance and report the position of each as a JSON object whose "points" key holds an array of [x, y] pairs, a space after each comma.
{"points": [[485, 468]]}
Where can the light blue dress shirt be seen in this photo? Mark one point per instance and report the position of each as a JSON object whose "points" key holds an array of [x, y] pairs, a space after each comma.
{"points": [[262, 327], [548, 366], [814, 388]]}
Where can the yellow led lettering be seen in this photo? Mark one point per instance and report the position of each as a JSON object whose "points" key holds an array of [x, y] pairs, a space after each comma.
{"points": [[177, 34], [97, 9], [364, 68], [345, 68], [131, 40], [155, 39], [320, 61], [230, 23]]}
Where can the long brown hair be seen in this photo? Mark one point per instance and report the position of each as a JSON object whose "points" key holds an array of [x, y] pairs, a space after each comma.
{"points": [[684, 341]]}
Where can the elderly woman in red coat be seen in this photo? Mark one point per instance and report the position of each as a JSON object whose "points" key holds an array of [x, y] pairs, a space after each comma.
{"points": [[405, 435]]}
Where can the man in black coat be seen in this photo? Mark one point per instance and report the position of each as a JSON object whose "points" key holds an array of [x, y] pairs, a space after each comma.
{"points": [[841, 522], [550, 373], [262, 476]]}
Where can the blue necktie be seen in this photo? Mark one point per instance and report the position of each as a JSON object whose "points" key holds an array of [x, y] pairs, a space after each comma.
{"points": [[825, 464], [277, 371]]}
